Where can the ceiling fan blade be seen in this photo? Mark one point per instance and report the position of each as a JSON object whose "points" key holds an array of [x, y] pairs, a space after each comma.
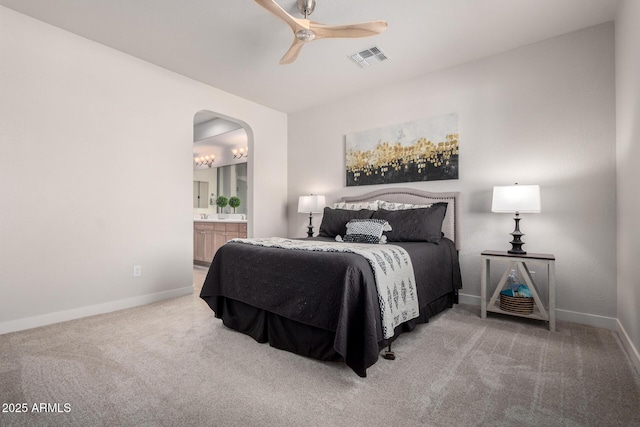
{"points": [[293, 52], [278, 11], [364, 29]]}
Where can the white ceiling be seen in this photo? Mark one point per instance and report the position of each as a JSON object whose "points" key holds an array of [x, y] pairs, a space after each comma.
{"points": [[235, 45]]}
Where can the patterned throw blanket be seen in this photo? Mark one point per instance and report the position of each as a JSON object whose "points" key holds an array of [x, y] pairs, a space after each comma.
{"points": [[391, 266]]}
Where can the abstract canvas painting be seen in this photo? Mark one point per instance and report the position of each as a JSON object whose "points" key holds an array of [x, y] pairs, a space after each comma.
{"points": [[422, 150]]}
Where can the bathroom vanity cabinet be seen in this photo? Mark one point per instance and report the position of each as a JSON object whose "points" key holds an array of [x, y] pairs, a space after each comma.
{"points": [[208, 236]]}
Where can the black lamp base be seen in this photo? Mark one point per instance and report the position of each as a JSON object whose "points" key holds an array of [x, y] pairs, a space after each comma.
{"points": [[310, 226], [516, 243]]}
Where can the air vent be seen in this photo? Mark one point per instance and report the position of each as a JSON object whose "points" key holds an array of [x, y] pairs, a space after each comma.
{"points": [[369, 56]]}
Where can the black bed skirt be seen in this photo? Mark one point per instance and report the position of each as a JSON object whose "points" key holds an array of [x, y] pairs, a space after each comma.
{"points": [[306, 340]]}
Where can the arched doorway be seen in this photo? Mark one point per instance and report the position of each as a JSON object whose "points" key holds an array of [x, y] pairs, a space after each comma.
{"points": [[221, 167]]}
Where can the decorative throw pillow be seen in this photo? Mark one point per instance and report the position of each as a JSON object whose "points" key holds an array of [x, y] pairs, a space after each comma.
{"points": [[372, 206], [334, 221], [415, 225], [394, 206], [365, 231]]}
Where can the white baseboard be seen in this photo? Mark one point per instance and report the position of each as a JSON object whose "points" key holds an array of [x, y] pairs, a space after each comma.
{"points": [[632, 351], [566, 315], [587, 319], [469, 299], [91, 310]]}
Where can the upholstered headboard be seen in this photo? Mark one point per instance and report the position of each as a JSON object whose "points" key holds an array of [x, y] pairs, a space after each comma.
{"points": [[450, 226]]}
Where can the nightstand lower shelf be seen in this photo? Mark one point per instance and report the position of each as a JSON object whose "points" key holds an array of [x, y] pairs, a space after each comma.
{"points": [[537, 315]]}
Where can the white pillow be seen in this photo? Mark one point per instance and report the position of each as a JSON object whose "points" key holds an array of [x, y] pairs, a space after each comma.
{"points": [[394, 206], [365, 231], [351, 206]]}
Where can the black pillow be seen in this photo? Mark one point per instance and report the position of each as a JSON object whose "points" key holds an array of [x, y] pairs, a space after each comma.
{"points": [[334, 221], [414, 225]]}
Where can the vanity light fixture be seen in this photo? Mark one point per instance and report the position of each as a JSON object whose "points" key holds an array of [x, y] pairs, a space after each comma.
{"points": [[240, 153], [204, 160]]}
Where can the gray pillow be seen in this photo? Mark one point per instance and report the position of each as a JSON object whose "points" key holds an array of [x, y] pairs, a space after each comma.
{"points": [[414, 225], [334, 221]]}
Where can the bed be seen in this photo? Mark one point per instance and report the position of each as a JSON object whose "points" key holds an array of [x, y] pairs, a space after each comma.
{"points": [[326, 304]]}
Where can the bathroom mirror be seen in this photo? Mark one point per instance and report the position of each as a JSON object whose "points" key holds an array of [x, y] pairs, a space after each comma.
{"points": [[232, 182], [200, 194], [228, 181]]}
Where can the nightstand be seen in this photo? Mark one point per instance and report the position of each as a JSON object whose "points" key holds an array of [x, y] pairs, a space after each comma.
{"points": [[519, 263]]}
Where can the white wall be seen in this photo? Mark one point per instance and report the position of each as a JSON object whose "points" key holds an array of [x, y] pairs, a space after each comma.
{"points": [[96, 174], [628, 172], [542, 114]]}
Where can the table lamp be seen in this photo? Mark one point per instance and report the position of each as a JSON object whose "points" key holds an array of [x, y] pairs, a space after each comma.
{"points": [[519, 199], [311, 204]]}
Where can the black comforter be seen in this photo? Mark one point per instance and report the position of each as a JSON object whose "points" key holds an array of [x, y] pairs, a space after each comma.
{"points": [[331, 291]]}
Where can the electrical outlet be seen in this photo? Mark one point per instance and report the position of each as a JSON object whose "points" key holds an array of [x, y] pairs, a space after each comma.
{"points": [[137, 271]]}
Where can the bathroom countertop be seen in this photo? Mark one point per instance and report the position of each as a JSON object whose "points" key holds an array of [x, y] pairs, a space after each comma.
{"points": [[220, 220]]}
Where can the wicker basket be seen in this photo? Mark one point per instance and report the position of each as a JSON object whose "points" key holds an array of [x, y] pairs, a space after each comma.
{"points": [[521, 305]]}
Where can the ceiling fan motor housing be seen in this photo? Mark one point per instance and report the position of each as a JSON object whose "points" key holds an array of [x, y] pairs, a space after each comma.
{"points": [[306, 7]]}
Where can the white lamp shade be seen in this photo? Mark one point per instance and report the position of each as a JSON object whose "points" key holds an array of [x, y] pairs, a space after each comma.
{"points": [[516, 198], [311, 204]]}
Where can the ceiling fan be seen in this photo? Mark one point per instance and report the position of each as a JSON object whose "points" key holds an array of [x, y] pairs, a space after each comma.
{"points": [[305, 30]]}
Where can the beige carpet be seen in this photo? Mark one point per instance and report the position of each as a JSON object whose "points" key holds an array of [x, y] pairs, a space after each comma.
{"points": [[199, 274], [173, 364]]}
